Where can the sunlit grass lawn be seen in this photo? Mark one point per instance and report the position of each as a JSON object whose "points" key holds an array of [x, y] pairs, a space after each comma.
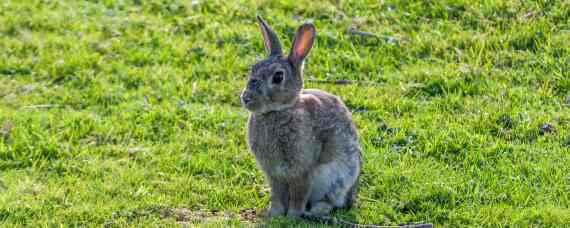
{"points": [[127, 112]]}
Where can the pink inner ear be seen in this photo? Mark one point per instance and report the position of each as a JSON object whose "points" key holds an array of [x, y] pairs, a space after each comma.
{"points": [[303, 42]]}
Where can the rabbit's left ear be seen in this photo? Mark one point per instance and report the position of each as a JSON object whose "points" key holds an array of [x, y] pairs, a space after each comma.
{"points": [[302, 43], [270, 39]]}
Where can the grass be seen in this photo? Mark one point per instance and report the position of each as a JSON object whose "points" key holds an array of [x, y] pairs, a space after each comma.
{"points": [[126, 112]]}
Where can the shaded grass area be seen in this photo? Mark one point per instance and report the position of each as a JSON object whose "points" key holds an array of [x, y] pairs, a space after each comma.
{"points": [[127, 112]]}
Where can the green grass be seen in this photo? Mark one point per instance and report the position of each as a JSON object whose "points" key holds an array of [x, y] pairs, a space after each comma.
{"points": [[143, 124]]}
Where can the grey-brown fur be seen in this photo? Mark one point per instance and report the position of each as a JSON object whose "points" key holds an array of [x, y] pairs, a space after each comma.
{"points": [[304, 140]]}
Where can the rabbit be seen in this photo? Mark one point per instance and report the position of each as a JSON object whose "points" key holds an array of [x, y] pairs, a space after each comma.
{"points": [[304, 140]]}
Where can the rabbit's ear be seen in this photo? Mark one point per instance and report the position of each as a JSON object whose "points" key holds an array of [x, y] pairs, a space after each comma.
{"points": [[302, 43], [270, 39]]}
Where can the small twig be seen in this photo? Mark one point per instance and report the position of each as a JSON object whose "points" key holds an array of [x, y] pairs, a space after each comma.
{"points": [[341, 82], [353, 31], [369, 199], [362, 34], [337, 82], [343, 223], [40, 106]]}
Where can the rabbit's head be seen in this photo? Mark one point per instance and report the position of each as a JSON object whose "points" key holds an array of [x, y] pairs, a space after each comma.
{"points": [[275, 83]]}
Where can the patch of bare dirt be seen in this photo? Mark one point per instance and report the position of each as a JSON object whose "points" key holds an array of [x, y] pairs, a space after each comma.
{"points": [[185, 215]]}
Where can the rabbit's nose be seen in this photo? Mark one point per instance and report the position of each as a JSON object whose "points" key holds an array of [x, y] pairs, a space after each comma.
{"points": [[246, 98]]}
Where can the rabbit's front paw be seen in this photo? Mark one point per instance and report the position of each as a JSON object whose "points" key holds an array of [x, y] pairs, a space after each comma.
{"points": [[276, 211], [294, 213]]}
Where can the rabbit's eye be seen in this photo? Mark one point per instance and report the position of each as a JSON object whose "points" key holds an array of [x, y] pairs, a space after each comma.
{"points": [[253, 84], [277, 77]]}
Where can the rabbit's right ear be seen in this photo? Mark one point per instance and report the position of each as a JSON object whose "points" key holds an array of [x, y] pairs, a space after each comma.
{"points": [[302, 43], [270, 39]]}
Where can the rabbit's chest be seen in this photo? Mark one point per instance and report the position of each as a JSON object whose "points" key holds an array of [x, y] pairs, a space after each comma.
{"points": [[282, 148]]}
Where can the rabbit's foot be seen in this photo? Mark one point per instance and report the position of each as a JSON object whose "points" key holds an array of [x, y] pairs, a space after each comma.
{"points": [[293, 213], [321, 208], [275, 211]]}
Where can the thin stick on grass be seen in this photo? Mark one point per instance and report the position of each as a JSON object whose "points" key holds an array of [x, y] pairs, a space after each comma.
{"points": [[342, 82], [355, 32], [365, 35], [40, 106], [337, 82], [333, 221]]}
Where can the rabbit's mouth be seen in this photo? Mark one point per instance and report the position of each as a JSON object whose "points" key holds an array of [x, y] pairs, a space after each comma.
{"points": [[260, 104], [249, 102]]}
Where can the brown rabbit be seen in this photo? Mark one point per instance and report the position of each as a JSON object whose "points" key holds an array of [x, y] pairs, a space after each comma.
{"points": [[304, 140]]}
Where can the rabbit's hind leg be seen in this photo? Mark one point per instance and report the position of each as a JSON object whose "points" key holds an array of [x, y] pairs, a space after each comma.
{"points": [[351, 195], [332, 183], [321, 208]]}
